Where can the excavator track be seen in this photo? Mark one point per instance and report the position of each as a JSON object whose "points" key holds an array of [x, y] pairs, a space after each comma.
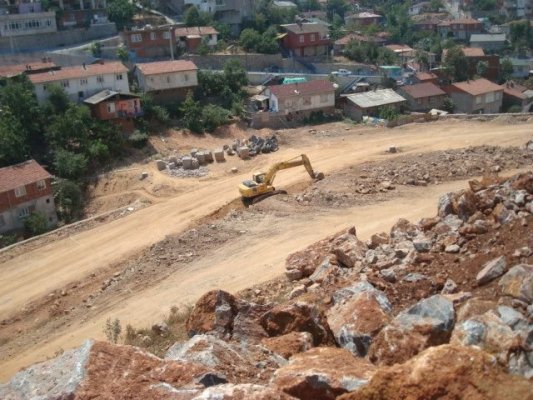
{"points": [[254, 200]]}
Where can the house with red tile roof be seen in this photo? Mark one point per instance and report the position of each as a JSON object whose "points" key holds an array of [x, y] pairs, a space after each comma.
{"points": [[422, 77], [479, 96], [10, 71], [25, 188], [460, 29], [423, 96], [306, 39], [82, 81], [167, 81], [301, 98], [515, 94]]}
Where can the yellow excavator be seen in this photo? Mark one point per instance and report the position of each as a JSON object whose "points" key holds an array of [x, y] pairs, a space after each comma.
{"points": [[261, 185]]}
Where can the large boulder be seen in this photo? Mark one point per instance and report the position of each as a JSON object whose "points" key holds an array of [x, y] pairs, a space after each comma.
{"points": [[493, 332], [104, 370], [427, 323], [355, 320], [323, 373], [348, 249], [491, 270], [445, 372], [214, 312], [518, 282], [289, 344], [244, 391], [297, 317]]}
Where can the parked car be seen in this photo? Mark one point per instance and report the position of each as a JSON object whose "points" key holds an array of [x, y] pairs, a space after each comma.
{"points": [[341, 72]]}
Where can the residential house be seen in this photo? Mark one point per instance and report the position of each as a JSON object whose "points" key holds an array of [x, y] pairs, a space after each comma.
{"points": [[82, 81], [189, 38], [423, 96], [403, 51], [474, 55], [516, 8], [25, 188], [32, 21], [306, 39], [150, 41], [167, 81], [80, 13], [460, 29], [229, 12], [363, 19], [479, 96], [417, 8], [522, 67], [358, 105], [10, 71], [424, 77], [340, 44], [119, 108], [488, 41], [515, 94], [300, 99]]}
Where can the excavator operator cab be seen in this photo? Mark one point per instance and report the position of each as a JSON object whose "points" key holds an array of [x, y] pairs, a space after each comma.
{"points": [[259, 177]]}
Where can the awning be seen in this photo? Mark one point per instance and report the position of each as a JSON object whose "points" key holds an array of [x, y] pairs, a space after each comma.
{"points": [[260, 97], [281, 36]]}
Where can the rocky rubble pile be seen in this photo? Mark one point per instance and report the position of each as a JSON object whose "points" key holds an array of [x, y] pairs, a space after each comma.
{"points": [[380, 178], [438, 309]]}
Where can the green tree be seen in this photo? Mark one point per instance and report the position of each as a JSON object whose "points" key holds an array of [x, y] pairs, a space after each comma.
{"points": [[58, 100], [224, 31], [36, 224], [13, 146], [194, 17], [249, 39], [123, 54], [455, 64], [435, 5], [506, 69], [191, 112], [70, 165], [121, 12], [96, 49], [235, 75], [70, 130], [213, 116], [448, 105], [69, 200], [482, 68], [339, 7]]}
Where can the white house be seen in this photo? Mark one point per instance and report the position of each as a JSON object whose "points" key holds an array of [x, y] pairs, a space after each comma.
{"points": [[303, 97], [82, 81], [174, 77], [28, 24]]}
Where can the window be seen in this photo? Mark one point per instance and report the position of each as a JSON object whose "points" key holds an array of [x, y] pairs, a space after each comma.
{"points": [[45, 87], [307, 101], [83, 82], [48, 201], [153, 36], [41, 185], [324, 98], [81, 94], [136, 38], [185, 77], [119, 77], [2, 220], [110, 108], [302, 38], [479, 99], [313, 37], [166, 35], [24, 212], [489, 97], [20, 191], [100, 79], [65, 84]]}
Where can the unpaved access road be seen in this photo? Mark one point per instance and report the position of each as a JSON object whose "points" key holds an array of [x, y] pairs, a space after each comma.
{"points": [[239, 264]]}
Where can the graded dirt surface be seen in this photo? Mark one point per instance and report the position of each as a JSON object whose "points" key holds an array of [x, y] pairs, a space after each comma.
{"points": [[256, 247]]}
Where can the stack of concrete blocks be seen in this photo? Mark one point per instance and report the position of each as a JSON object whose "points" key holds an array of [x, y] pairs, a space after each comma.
{"points": [[244, 152], [193, 152], [209, 156], [187, 162], [219, 155], [200, 156], [161, 165]]}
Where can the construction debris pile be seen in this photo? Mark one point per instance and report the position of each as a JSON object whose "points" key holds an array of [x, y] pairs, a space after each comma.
{"points": [[438, 309], [195, 163]]}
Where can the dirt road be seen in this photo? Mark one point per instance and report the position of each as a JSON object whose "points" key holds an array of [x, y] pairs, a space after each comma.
{"points": [[257, 257]]}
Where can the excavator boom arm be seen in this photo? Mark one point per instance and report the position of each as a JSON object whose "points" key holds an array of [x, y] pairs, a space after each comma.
{"points": [[271, 174]]}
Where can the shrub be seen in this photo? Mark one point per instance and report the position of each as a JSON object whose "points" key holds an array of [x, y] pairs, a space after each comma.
{"points": [[112, 330], [36, 224], [138, 139], [514, 109], [213, 116]]}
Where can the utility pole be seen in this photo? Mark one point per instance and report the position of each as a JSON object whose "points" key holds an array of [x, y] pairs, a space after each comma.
{"points": [[170, 31]]}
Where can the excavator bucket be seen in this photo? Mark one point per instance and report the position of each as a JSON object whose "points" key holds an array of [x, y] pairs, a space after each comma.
{"points": [[319, 176]]}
